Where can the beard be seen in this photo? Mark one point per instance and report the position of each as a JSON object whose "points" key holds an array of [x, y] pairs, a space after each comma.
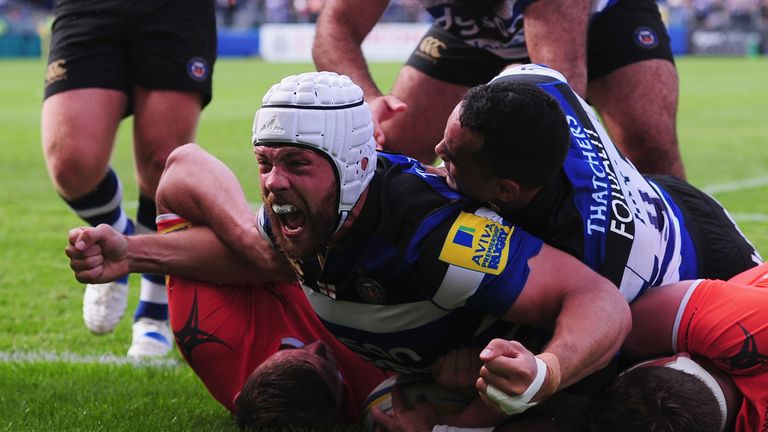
{"points": [[318, 229]]}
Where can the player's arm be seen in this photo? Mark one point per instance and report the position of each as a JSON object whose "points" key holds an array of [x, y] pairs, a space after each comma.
{"points": [[204, 191], [589, 316], [556, 36], [341, 28], [101, 254], [653, 319], [224, 245]]}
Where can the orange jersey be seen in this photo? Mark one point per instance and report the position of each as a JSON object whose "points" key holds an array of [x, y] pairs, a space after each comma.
{"points": [[732, 331], [224, 332]]}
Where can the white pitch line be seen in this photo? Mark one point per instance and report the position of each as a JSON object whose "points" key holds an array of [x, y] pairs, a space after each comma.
{"points": [[29, 357], [736, 186], [750, 217]]}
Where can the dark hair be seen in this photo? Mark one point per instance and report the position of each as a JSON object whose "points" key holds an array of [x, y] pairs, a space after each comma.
{"points": [[524, 131], [291, 393], [658, 399]]}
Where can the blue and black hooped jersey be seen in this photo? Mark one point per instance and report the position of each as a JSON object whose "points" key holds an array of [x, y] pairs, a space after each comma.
{"points": [[600, 209], [423, 270]]}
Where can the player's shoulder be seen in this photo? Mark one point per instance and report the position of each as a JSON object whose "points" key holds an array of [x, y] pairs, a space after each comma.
{"points": [[407, 191]]}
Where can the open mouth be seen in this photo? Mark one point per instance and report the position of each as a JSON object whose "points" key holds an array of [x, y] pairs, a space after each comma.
{"points": [[292, 220]]}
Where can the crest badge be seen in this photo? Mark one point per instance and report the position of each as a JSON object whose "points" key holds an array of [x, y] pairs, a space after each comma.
{"points": [[370, 290]]}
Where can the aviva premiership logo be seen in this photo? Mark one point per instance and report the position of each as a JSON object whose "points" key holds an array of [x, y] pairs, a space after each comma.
{"points": [[477, 243]]}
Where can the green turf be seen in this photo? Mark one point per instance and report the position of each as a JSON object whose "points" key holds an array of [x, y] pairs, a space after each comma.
{"points": [[723, 133]]}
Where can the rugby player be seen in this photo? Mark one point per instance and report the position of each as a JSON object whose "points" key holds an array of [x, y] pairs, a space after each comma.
{"points": [[399, 267], [615, 53], [574, 189], [110, 59]]}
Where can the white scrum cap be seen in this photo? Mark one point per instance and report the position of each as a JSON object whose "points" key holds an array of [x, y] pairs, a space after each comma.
{"points": [[326, 112]]}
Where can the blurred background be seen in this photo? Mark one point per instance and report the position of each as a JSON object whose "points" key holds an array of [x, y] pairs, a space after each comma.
{"points": [[247, 27]]}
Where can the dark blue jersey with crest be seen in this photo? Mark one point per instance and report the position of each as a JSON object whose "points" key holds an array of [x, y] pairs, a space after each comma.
{"points": [[422, 270], [600, 209]]}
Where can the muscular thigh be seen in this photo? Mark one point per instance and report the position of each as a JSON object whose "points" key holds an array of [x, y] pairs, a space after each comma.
{"points": [[78, 133], [622, 98], [164, 120], [430, 101], [173, 46]]}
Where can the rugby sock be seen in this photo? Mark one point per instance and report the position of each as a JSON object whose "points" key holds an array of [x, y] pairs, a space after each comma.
{"points": [[103, 205], [153, 300]]}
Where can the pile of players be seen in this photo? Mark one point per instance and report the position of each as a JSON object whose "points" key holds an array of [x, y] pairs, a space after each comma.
{"points": [[537, 244]]}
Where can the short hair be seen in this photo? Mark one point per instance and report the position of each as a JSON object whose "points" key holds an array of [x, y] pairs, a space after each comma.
{"points": [[657, 399], [524, 132], [291, 393]]}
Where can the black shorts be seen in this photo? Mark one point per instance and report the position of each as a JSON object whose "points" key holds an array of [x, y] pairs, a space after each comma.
{"points": [[721, 248], [627, 32], [445, 57], [116, 44]]}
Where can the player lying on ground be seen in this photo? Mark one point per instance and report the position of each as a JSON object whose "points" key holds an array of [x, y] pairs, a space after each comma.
{"points": [[397, 266]]}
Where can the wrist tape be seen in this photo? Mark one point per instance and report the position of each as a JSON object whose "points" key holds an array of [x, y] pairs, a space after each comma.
{"points": [[519, 403]]}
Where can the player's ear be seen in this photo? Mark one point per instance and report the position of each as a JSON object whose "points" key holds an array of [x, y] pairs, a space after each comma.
{"points": [[507, 191]]}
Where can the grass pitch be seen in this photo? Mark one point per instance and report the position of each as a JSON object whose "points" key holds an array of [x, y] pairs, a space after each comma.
{"points": [[54, 375]]}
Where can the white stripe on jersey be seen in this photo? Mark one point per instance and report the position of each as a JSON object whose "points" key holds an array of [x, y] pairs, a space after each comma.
{"points": [[680, 311], [374, 318], [458, 285]]}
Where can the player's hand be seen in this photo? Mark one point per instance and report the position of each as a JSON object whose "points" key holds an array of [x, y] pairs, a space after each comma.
{"points": [[384, 108], [458, 370], [508, 366], [97, 255], [422, 417]]}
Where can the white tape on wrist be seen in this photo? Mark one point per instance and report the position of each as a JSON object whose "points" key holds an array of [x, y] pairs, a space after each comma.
{"points": [[519, 403]]}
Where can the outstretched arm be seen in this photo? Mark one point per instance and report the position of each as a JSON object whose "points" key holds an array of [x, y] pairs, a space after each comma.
{"points": [[101, 254], [222, 246]]}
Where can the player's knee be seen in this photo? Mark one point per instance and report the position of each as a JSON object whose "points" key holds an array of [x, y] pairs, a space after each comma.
{"points": [[75, 175]]}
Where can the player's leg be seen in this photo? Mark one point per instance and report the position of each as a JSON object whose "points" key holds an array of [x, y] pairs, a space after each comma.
{"points": [[163, 121], [172, 55], [78, 131], [430, 101], [633, 84], [638, 105], [85, 98], [433, 80]]}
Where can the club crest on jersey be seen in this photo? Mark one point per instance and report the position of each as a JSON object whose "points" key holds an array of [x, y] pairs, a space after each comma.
{"points": [[477, 243], [197, 68], [645, 37], [370, 290]]}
